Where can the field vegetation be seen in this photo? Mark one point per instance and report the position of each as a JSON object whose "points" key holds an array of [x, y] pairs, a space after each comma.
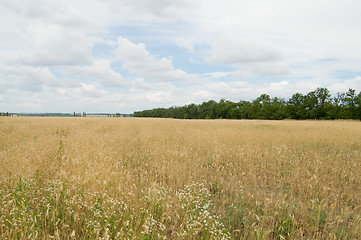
{"points": [[317, 104], [112, 178]]}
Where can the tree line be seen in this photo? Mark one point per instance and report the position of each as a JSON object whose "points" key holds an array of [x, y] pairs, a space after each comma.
{"points": [[317, 104]]}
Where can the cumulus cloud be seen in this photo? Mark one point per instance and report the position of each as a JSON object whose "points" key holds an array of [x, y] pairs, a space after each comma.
{"points": [[285, 89], [85, 97], [345, 85], [186, 44], [249, 57], [247, 70], [233, 90], [27, 78], [155, 93], [70, 52], [49, 33], [62, 13], [216, 75], [233, 51], [54, 45], [140, 62], [156, 10], [100, 71], [144, 95], [34, 9]]}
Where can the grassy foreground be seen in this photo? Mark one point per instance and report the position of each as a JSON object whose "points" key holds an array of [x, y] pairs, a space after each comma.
{"points": [[88, 178]]}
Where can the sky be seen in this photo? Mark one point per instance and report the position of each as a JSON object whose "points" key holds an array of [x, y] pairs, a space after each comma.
{"points": [[130, 55]]}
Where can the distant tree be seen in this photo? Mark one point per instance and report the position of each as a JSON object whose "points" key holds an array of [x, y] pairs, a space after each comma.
{"points": [[191, 111], [206, 109], [310, 103], [316, 104], [323, 95], [246, 109], [350, 104], [323, 102], [278, 108], [336, 106], [296, 107], [235, 113], [223, 108], [261, 107], [358, 106]]}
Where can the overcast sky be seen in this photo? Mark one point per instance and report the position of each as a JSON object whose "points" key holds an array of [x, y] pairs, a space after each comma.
{"points": [[129, 55]]}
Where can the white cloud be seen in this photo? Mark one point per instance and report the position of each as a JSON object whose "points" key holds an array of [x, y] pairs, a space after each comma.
{"points": [[284, 89], [48, 33], [90, 92], [51, 44], [28, 78], [64, 13], [153, 93], [209, 90], [345, 85], [156, 10], [186, 44], [216, 74], [140, 62], [277, 89], [250, 57], [34, 9], [66, 54], [300, 31], [233, 51], [248, 70], [100, 71]]}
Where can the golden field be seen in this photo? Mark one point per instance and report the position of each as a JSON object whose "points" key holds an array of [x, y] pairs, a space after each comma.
{"points": [[114, 178]]}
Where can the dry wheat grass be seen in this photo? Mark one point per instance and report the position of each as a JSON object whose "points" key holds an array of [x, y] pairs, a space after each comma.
{"points": [[81, 178]]}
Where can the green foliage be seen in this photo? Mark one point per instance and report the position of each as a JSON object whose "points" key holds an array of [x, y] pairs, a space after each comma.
{"points": [[316, 104]]}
